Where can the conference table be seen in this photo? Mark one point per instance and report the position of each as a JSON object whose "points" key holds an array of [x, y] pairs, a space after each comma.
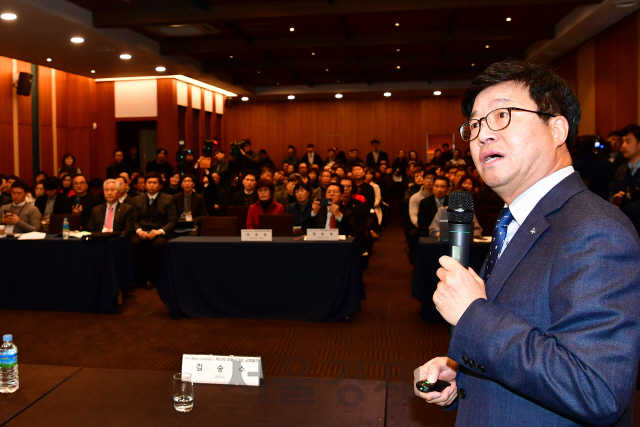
{"points": [[286, 278], [64, 275], [425, 281]]}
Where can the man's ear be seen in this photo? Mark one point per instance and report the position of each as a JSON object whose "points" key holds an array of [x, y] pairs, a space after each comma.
{"points": [[559, 129]]}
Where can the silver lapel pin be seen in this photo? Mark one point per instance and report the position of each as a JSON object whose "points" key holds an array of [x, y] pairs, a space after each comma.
{"points": [[533, 230]]}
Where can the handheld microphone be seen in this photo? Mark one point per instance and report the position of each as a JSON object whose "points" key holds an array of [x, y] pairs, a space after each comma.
{"points": [[460, 216]]}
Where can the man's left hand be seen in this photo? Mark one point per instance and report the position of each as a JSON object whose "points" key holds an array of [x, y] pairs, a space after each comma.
{"points": [[11, 220], [154, 233], [76, 209], [457, 289]]}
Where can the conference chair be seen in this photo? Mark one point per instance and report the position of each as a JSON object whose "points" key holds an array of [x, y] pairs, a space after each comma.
{"points": [[219, 226], [280, 225], [55, 222], [239, 212]]}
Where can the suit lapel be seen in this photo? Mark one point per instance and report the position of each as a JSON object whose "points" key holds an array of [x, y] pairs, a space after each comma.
{"points": [[530, 231]]}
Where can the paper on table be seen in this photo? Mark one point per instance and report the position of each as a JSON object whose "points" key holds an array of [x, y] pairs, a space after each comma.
{"points": [[34, 235], [79, 234]]}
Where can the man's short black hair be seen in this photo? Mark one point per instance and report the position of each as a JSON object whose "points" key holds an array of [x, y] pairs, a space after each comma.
{"points": [[300, 185], [446, 144], [152, 175], [340, 187], [18, 183], [162, 150], [189, 175], [115, 151], [632, 128], [331, 149], [249, 172], [262, 151], [357, 165], [51, 183], [549, 91], [441, 178], [292, 147], [353, 182], [80, 174], [310, 145], [615, 133], [375, 141]]}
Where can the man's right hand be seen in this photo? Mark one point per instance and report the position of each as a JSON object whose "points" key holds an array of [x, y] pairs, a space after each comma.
{"points": [[616, 200], [143, 235], [315, 207], [440, 368]]}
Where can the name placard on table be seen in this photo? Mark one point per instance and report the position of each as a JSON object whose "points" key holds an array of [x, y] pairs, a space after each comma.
{"points": [[232, 370], [323, 234], [256, 235]]}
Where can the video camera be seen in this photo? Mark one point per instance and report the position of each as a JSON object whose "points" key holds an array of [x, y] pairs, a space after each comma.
{"points": [[209, 146]]}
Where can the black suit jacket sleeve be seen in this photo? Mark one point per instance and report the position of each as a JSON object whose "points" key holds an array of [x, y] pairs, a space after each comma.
{"points": [[426, 212]]}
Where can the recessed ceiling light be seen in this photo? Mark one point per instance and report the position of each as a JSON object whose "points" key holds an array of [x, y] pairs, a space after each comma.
{"points": [[397, 24], [625, 4], [313, 53], [77, 40], [8, 16], [327, 69], [387, 94], [291, 97], [508, 19], [437, 93], [93, 71], [278, 84], [258, 72], [125, 56], [48, 59], [338, 95], [161, 69], [487, 47], [398, 67], [292, 29], [231, 56], [245, 98], [397, 50], [473, 64]]}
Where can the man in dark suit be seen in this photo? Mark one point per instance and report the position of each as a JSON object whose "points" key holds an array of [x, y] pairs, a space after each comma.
{"points": [[376, 156], [549, 335], [155, 219], [333, 216], [430, 204], [190, 206], [160, 164], [118, 166], [83, 201], [52, 201], [124, 196], [311, 157], [112, 216]]}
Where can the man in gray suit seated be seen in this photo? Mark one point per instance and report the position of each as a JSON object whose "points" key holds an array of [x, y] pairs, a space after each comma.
{"points": [[20, 216]]}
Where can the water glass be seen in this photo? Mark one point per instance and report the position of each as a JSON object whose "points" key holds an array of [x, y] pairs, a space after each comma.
{"points": [[182, 392]]}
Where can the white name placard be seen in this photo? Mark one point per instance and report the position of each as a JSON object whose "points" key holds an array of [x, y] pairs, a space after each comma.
{"points": [[332, 234], [256, 235], [232, 370]]}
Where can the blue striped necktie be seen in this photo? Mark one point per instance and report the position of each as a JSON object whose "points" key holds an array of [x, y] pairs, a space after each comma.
{"points": [[499, 234]]}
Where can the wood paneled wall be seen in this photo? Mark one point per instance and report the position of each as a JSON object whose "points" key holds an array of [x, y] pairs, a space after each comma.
{"points": [[75, 114], [396, 123], [604, 74]]}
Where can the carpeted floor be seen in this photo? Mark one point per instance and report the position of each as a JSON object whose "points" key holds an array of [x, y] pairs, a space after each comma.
{"points": [[387, 340]]}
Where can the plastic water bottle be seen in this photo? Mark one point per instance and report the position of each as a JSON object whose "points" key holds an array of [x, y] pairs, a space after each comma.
{"points": [[9, 381], [65, 229]]}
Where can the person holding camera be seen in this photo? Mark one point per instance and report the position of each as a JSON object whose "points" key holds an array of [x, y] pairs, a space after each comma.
{"points": [[20, 216], [330, 212]]}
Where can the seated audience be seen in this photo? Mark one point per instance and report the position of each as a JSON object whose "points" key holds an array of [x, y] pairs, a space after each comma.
{"points": [[38, 191], [265, 204], [174, 184], [190, 206], [52, 202], [429, 205], [83, 201], [112, 216], [67, 184], [247, 195], [301, 208], [155, 220], [138, 186], [19, 216], [95, 187], [287, 196], [331, 158], [325, 180], [441, 216]]}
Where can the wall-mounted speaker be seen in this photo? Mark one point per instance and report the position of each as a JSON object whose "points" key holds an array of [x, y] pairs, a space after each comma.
{"points": [[24, 84]]}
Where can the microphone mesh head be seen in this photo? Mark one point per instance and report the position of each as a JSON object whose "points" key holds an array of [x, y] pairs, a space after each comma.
{"points": [[460, 209]]}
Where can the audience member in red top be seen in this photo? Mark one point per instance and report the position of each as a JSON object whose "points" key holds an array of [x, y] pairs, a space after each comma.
{"points": [[264, 205]]}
